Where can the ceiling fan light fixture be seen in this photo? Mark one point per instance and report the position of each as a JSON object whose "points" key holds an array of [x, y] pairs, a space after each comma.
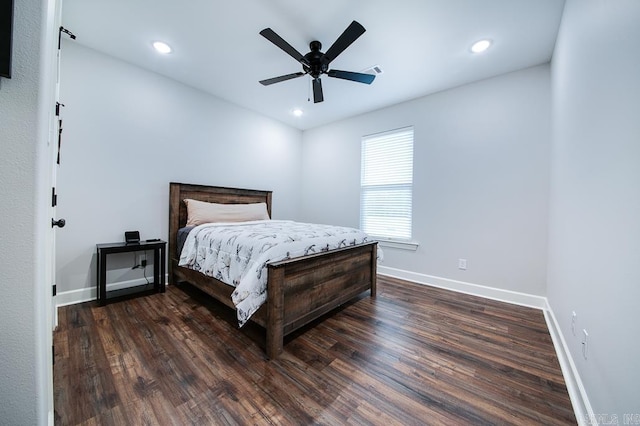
{"points": [[480, 46], [162, 47]]}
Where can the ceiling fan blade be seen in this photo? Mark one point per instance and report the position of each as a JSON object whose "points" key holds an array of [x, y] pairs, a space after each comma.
{"points": [[281, 78], [351, 34], [353, 76], [317, 91], [274, 38]]}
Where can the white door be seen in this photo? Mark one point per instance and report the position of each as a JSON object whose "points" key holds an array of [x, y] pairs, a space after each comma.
{"points": [[49, 96], [55, 156]]}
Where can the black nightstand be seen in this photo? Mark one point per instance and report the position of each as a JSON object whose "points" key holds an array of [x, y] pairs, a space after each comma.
{"points": [[158, 284]]}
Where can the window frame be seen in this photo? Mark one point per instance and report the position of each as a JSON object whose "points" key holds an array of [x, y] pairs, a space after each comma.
{"points": [[367, 188]]}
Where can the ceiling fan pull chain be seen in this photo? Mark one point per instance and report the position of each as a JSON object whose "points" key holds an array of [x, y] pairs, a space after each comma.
{"points": [[309, 91]]}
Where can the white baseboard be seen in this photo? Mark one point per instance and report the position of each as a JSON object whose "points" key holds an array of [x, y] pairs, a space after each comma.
{"points": [[501, 295], [578, 394], [88, 294], [575, 388], [72, 297]]}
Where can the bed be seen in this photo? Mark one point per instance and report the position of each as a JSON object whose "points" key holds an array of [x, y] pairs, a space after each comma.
{"points": [[299, 290]]}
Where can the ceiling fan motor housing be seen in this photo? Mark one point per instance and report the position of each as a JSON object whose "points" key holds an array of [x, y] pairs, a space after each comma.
{"points": [[316, 65]]}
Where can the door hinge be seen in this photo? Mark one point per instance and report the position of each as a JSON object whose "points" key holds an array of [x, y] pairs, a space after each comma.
{"points": [[54, 197], [58, 105], [55, 290], [67, 32], [53, 355]]}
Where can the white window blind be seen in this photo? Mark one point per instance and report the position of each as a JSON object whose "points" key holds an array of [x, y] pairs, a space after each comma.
{"points": [[387, 184]]}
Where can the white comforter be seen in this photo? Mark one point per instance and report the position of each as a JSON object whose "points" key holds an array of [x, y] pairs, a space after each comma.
{"points": [[238, 253]]}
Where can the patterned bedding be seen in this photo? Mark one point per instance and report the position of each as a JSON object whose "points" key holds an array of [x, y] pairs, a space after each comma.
{"points": [[238, 253]]}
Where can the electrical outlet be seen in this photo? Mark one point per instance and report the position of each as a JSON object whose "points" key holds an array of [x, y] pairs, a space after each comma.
{"points": [[574, 318], [462, 264], [585, 342], [140, 260]]}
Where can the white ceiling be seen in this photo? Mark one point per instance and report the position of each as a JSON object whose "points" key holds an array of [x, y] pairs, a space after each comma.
{"points": [[422, 46]]}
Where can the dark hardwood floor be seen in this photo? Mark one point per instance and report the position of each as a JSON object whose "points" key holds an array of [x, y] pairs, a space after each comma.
{"points": [[413, 355]]}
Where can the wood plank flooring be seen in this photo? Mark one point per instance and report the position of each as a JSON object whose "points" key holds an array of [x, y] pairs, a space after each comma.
{"points": [[413, 355]]}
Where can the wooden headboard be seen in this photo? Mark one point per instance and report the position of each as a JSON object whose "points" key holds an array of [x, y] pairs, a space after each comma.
{"points": [[211, 194]]}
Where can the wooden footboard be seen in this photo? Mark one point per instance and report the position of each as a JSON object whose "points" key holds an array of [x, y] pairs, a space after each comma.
{"points": [[298, 290], [302, 290]]}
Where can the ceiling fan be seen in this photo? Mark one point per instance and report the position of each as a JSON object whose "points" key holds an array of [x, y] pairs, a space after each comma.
{"points": [[315, 63]]}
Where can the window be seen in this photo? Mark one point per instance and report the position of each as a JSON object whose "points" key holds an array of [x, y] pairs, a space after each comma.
{"points": [[386, 186]]}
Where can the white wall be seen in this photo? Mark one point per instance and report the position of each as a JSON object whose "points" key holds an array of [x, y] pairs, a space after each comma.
{"points": [[594, 239], [129, 132], [481, 179], [24, 338]]}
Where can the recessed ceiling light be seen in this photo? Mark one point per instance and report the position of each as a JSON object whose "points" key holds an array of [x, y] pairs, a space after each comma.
{"points": [[297, 112], [480, 46], [161, 47]]}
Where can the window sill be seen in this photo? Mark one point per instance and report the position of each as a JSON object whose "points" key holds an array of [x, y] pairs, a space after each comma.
{"points": [[403, 245]]}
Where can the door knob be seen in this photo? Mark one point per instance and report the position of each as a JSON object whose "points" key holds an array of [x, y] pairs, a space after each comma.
{"points": [[59, 222]]}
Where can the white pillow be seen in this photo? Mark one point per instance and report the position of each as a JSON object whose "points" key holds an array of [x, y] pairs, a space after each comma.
{"points": [[199, 212]]}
